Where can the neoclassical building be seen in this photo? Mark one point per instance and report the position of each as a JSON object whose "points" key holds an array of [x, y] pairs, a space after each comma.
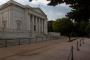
{"points": [[15, 17]]}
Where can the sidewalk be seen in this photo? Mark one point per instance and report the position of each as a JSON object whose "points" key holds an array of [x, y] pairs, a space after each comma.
{"points": [[49, 50], [12, 51]]}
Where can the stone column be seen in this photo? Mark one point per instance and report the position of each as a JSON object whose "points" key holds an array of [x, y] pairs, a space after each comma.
{"points": [[36, 25], [0, 21], [9, 18], [1, 25], [42, 25], [26, 19], [32, 24], [39, 24], [28, 22], [45, 26]]}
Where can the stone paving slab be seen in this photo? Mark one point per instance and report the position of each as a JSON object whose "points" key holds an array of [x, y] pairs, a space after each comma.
{"points": [[11, 51], [53, 50]]}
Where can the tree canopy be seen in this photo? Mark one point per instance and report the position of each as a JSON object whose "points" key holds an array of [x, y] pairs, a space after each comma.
{"points": [[64, 26], [80, 9], [80, 13], [50, 28], [88, 29]]}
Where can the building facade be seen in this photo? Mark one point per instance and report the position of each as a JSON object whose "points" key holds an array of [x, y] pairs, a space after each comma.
{"points": [[15, 17]]}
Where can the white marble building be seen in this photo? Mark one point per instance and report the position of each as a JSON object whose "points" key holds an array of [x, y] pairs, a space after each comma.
{"points": [[15, 17]]}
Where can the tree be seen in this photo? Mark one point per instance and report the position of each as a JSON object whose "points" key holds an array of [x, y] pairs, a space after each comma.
{"points": [[50, 29], [82, 28], [80, 9], [88, 29], [56, 25], [64, 26]]}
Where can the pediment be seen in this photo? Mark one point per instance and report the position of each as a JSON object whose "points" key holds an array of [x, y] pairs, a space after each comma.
{"points": [[39, 11], [10, 2]]}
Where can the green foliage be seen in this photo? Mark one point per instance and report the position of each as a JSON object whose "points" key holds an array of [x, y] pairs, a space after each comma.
{"points": [[80, 9], [64, 26], [88, 28], [80, 13], [56, 26], [50, 28], [82, 26]]}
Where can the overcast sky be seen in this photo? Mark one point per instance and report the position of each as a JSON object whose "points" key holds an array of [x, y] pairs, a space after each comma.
{"points": [[52, 12]]}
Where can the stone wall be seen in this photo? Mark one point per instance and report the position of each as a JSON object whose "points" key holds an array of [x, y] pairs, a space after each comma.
{"points": [[54, 34], [18, 17]]}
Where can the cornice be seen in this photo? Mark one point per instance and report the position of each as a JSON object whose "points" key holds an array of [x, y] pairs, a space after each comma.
{"points": [[12, 2]]}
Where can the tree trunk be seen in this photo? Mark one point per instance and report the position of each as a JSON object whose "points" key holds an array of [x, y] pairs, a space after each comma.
{"points": [[69, 37]]}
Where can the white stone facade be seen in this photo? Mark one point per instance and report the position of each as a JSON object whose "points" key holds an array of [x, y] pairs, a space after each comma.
{"points": [[18, 17]]}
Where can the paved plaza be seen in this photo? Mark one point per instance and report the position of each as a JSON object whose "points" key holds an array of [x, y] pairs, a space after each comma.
{"points": [[48, 50]]}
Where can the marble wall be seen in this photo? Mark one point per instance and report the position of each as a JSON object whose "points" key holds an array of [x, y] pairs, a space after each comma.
{"points": [[26, 19]]}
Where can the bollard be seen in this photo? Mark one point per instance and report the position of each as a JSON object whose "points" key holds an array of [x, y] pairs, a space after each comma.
{"points": [[70, 57], [78, 47], [72, 53]]}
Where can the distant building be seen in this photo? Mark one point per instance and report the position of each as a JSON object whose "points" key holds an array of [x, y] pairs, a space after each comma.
{"points": [[50, 28], [15, 17]]}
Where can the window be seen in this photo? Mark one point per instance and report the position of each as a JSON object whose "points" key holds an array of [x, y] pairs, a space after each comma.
{"points": [[34, 27]]}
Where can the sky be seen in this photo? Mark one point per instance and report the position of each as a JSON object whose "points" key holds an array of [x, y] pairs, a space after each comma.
{"points": [[52, 12]]}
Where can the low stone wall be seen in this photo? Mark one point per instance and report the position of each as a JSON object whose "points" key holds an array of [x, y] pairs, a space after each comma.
{"points": [[20, 38], [55, 34]]}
